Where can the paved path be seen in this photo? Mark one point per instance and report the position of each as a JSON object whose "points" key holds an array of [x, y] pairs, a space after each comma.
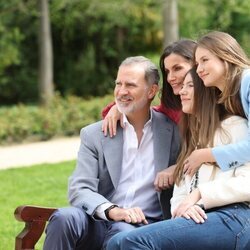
{"points": [[52, 151]]}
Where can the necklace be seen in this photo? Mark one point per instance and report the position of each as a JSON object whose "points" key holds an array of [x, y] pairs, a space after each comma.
{"points": [[194, 182]]}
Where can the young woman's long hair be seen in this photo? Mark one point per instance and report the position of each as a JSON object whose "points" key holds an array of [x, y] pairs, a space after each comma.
{"points": [[184, 48], [230, 52], [198, 129]]}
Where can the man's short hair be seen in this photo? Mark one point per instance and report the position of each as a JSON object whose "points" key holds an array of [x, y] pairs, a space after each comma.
{"points": [[151, 72]]}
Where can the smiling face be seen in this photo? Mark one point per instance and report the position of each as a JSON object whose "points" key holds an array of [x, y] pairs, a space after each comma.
{"points": [[210, 68], [176, 68], [132, 92], [187, 94]]}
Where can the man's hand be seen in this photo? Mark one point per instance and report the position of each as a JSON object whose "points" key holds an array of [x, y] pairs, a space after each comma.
{"points": [[164, 179], [130, 215]]}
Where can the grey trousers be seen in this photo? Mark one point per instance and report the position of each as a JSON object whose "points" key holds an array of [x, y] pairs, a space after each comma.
{"points": [[71, 228]]}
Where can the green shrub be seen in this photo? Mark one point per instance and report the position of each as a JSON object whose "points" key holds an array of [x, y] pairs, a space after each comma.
{"points": [[63, 117]]}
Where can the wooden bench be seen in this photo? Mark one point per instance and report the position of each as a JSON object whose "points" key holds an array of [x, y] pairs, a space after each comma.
{"points": [[35, 219]]}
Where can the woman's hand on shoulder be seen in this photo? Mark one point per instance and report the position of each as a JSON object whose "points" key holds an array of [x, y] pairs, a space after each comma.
{"points": [[195, 159], [109, 124]]}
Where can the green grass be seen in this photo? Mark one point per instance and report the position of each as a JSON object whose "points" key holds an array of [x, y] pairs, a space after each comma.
{"points": [[42, 185]]}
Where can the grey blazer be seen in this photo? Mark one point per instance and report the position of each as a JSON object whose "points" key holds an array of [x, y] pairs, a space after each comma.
{"points": [[98, 168]]}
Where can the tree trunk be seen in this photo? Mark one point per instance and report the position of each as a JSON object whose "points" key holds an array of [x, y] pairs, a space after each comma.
{"points": [[170, 22], [46, 88]]}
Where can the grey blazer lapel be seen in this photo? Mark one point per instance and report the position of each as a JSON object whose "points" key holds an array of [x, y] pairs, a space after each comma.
{"points": [[162, 132], [112, 150]]}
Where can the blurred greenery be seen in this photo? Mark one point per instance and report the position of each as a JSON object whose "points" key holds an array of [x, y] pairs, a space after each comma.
{"points": [[63, 117], [90, 38], [40, 185]]}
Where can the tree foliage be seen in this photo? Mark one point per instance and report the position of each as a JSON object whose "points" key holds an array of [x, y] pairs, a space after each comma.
{"points": [[90, 38], [198, 17], [95, 36]]}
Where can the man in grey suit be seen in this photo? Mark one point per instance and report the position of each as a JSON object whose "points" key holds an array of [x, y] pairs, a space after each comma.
{"points": [[112, 187]]}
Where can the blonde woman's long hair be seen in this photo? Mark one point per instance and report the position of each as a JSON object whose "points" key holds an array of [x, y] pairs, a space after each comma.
{"points": [[225, 47], [198, 129]]}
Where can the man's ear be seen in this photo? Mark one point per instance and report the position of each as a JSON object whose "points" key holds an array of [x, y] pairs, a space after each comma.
{"points": [[153, 91]]}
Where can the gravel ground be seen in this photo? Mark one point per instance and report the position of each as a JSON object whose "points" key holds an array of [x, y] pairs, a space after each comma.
{"points": [[52, 151]]}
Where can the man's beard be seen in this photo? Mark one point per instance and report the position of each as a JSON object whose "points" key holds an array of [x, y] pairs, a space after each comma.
{"points": [[127, 108]]}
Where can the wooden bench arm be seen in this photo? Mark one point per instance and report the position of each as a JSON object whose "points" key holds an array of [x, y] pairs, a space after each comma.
{"points": [[35, 219]]}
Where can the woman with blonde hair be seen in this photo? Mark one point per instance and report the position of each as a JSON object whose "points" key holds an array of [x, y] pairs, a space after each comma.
{"points": [[222, 63]]}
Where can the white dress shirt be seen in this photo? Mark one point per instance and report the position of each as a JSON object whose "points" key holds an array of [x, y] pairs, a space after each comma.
{"points": [[136, 185]]}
